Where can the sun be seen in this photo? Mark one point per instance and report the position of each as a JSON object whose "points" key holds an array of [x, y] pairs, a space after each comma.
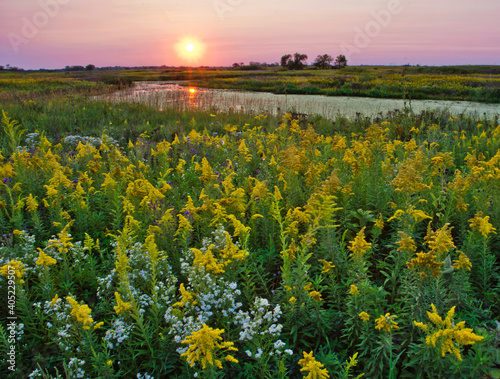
{"points": [[190, 49]]}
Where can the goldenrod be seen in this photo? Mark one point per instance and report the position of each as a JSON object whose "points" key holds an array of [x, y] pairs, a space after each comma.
{"points": [[359, 246], [44, 259], [386, 323], [364, 316], [121, 306], [315, 368], [80, 313], [204, 345], [482, 224], [18, 267], [354, 290], [446, 334]]}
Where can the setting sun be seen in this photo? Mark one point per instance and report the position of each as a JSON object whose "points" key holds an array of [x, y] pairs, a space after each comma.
{"points": [[190, 49]]}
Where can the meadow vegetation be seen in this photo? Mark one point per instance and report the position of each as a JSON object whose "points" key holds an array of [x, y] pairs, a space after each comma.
{"points": [[151, 244]]}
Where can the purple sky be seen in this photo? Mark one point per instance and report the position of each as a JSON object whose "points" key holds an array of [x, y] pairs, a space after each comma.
{"points": [[55, 33]]}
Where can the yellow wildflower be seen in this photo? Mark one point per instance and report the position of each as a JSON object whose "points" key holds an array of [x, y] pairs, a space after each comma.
{"points": [[109, 183], [187, 297], [463, 262], [446, 334], [461, 204], [204, 344], [18, 267], [315, 368], [327, 266], [386, 323], [315, 295], [244, 151], [359, 246], [426, 260], [379, 222], [406, 243], [482, 224], [31, 203], [292, 300], [441, 240], [230, 358], [63, 242], [364, 316], [239, 229], [121, 307], [80, 313], [54, 300], [207, 260], [410, 176], [354, 290], [418, 214], [231, 252], [207, 173], [435, 317], [44, 259], [421, 325], [184, 227], [98, 325], [396, 215]]}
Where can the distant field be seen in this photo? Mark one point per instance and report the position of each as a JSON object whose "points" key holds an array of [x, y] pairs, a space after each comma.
{"points": [[469, 83], [145, 243]]}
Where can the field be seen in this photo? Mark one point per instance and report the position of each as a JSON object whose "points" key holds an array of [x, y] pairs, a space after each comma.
{"points": [[379, 82], [139, 243], [469, 83]]}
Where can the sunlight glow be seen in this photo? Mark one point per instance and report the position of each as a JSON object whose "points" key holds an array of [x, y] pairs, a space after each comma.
{"points": [[190, 49]]}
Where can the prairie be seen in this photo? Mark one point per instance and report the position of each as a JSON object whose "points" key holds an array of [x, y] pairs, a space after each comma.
{"points": [[145, 243]]}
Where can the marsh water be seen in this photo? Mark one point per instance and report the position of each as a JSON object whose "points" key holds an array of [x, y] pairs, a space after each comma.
{"points": [[163, 95]]}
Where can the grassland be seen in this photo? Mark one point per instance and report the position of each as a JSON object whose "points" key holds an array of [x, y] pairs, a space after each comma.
{"points": [[468, 83], [145, 243]]}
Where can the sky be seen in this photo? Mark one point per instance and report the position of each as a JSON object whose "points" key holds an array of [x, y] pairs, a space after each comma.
{"points": [[57, 33]]}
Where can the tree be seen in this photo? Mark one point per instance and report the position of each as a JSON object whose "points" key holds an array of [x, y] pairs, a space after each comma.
{"points": [[323, 61], [285, 59], [297, 61], [89, 67], [340, 61], [293, 64], [1, 68]]}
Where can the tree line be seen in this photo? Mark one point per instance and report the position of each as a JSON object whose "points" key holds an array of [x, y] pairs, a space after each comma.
{"points": [[296, 61]]}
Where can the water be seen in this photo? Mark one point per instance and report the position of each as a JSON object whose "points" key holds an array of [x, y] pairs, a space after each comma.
{"points": [[163, 95]]}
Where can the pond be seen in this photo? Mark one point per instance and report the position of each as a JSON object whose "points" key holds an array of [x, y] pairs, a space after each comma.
{"points": [[163, 95]]}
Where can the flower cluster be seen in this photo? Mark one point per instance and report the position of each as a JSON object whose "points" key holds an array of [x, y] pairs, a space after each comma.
{"points": [[445, 334], [205, 345], [315, 368]]}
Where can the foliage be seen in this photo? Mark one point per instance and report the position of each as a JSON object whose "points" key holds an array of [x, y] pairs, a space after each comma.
{"points": [[151, 243], [340, 61], [323, 61]]}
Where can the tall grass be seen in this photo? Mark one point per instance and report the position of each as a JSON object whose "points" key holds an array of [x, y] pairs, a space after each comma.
{"points": [[178, 243]]}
